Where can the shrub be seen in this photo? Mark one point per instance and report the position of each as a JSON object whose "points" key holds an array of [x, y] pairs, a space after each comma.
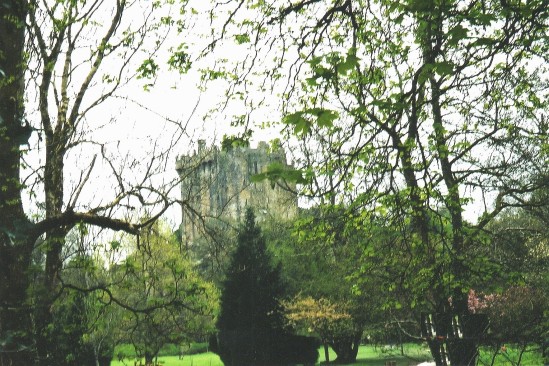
{"points": [[197, 348], [516, 315], [298, 350], [169, 349], [252, 348], [250, 322]]}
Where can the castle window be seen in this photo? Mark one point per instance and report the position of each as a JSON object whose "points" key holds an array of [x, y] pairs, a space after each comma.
{"points": [[255, 167]]}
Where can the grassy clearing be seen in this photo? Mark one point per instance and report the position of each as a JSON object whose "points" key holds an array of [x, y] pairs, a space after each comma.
{"points": [[367, 356], [377, 356], [509, 356], [202, 359]]}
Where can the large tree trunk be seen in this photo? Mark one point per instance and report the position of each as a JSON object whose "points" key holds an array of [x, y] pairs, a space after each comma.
{"points": [[15, 246], [467, 349], [326, 352], [346, 348], [55, 238], [149, 357], [15, 321]]}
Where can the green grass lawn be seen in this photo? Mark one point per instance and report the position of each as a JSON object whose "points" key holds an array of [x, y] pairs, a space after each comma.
{"points": [[367, 356], [201, 359], [371, 356], [510, 357]]}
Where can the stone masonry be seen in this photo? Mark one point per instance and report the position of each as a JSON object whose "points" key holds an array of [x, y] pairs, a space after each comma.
{"points": [[217, 187]]}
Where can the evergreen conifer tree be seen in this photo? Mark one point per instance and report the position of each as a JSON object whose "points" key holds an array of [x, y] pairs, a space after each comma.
{"points": [[250, 323]]}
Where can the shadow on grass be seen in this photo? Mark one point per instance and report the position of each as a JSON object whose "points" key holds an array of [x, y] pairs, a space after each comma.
{"points": [[381, 356], [367, 356]]}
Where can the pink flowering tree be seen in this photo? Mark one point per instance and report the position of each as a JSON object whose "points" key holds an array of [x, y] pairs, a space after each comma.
{"points": [[517, 315]]}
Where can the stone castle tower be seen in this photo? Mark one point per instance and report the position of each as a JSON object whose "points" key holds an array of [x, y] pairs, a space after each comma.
{"points": [[217, 187]]}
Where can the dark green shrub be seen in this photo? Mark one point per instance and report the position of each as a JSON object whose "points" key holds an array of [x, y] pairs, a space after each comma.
{"points": [[241, 348], [298, 350], [250, 322], [197, 348], [169, 349], [67, 334]]}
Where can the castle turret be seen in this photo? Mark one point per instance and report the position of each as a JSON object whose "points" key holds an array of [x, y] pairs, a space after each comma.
{"points": [[216, 188]]}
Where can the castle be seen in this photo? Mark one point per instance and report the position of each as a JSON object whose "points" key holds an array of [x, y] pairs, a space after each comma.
{"points": [[217, 188]]}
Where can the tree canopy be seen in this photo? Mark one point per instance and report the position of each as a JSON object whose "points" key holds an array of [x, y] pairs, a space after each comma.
{"points": [[419, 122], [164, 298], [410, 111], [250, 322], [61, 63]]}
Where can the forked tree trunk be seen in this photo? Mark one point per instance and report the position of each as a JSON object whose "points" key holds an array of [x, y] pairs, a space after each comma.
{"points": [[346, 348], [55, 239], [326, 352]]}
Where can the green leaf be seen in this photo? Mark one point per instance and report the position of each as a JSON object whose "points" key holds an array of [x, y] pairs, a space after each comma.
{"points": [[484, 19], [148, 69], [444, 68], [323, 72], [456, 34], [301, 124], [483, 41], [115, 244], [315, 61], [326, 118], [382, 104], [350, 63], [311, 81], [277, 171], [425, 73], [293, 118], [180, 60], [230, 142], [242, 38]]}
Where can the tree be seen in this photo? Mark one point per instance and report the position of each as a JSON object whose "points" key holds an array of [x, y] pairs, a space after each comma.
{"points": [[103, 333], [320, 317], [317, 253], [83, 324], [517, 316], [413, 109], [70, 324], [211, 253], [516, 302], [519, 246], [250, 322], [60, 62], [165, 299]]}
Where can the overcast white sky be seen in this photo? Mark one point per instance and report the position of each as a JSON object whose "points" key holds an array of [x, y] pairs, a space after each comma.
{"points": [[174, 98], [156, 117]]}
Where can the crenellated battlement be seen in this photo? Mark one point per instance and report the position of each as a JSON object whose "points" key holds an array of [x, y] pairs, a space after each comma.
{"points": [[217, 187]]}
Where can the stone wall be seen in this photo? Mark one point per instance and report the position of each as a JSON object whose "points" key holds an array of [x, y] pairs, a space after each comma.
{"points": [[217, 187]]}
